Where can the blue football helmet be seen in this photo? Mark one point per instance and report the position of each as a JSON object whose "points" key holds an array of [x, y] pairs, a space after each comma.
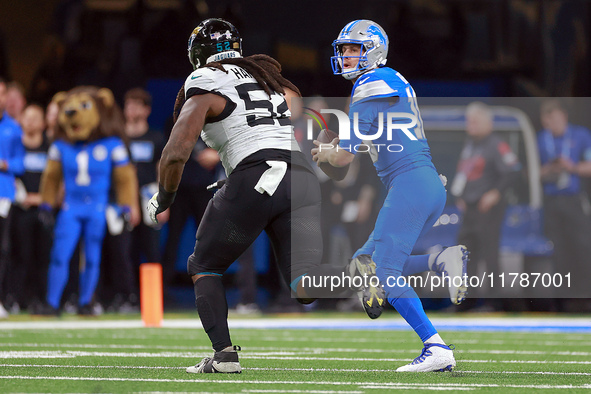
{"points": [[374, 47]]}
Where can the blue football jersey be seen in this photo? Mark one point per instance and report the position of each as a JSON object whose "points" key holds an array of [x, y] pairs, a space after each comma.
{"points": [[384, 116], [87, 168], [575, 145], [12, 151]]}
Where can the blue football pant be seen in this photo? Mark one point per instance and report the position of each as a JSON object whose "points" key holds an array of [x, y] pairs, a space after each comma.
{"points": [[414, 202]]}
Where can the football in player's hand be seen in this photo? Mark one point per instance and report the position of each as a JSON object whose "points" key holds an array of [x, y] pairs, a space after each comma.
{"points": [[326, 136], [337, 173]]}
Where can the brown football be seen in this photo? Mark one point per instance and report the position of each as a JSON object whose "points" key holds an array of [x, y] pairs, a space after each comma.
{"points": [[337, 173], [325, 136]]}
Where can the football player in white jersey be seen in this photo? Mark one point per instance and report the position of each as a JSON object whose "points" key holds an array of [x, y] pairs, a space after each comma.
{"points": [[238, 106]]}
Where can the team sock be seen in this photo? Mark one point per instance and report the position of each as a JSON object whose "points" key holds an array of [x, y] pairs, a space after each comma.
{"points": [[435, 339], [210, 300], [411, 309]]}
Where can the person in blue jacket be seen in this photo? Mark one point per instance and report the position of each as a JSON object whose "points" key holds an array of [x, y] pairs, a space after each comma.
{"points": [[12, 153], [565, 156]]}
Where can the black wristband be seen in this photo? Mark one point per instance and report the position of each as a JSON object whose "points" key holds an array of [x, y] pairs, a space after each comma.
{"points": [[165, 199]]}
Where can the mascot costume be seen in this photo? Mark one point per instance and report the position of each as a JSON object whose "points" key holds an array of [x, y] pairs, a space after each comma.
{"points": [[89, 157]]}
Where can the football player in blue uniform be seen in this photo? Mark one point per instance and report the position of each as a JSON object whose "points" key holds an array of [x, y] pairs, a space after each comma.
{"points": [[88, 155], [387, 124]]}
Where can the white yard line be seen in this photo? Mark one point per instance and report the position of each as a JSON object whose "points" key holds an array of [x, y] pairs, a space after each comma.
{"points": [[284, 350], [254, 356], [301, 391], [367, 385], [282, 369]]}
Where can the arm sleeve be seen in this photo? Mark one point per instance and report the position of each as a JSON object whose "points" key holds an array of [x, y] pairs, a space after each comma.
{"points": [[16, 164], [542, 148]]}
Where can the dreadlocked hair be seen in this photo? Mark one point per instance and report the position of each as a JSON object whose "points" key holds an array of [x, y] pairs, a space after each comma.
{"points": [[178, 104], [265, 69]]}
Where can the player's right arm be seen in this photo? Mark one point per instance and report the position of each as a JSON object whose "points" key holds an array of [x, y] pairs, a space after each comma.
{"points": [[184, 136], [179, 147]]}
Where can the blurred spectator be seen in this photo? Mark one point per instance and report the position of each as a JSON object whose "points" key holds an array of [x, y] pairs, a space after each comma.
{"points": [[51, 119], [565, 155], [486, 169], [117, 291], [31, 240], [15, 100], [124, 251], [146, 147], [201, 170], [11, 164]]}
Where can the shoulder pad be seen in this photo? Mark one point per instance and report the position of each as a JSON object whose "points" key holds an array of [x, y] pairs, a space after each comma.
{"points": [[203, 79], [381, 82]]}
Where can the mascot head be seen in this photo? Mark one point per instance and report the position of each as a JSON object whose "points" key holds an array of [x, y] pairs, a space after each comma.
{"points": [[87, 113]]}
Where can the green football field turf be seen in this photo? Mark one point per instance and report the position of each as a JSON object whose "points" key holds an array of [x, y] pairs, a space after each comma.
{"points": [[125, 357]]}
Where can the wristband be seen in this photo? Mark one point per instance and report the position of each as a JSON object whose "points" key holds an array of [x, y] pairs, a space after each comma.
{"points": [[165, 199]]}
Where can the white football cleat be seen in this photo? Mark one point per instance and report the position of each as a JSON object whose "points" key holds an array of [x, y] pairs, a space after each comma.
{"points": [[225, 361], [451, 263], [434, 358]]}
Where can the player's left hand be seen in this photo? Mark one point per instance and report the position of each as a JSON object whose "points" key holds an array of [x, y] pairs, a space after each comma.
{"points": [[320, 154]]}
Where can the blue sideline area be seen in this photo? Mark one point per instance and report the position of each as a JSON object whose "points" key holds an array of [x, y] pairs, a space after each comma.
{"points": [[550, 324]]}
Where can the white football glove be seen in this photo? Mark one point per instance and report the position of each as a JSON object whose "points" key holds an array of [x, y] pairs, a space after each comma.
{"points": [[154, 208], [160, 202]]}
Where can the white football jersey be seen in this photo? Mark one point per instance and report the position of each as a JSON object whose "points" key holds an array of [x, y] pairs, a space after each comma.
{"points": [[251, 121]]}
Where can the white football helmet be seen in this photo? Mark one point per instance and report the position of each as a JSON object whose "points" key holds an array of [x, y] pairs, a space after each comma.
{"points": [[374, 47]]}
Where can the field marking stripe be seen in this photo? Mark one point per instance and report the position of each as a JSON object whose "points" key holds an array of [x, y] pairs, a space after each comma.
{"points": [[285, 350], [301, 391], [90, 366], [283, 369], [552, 324], [361, 384], [71, 354]]}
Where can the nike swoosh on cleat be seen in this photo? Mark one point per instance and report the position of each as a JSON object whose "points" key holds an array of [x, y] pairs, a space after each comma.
{"points": [[192, 77]]}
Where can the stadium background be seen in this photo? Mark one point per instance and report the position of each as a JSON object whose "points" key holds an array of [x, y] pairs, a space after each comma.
{"points": [[514, 48]]}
